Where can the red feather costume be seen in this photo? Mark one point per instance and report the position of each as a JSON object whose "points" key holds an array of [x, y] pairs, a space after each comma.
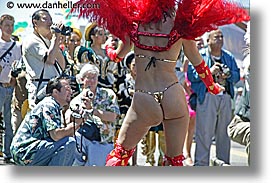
{"points": [[193, 17]]}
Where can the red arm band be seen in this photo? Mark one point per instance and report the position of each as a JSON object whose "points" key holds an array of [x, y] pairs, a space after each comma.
{"points": [[111, 52], [206, 76]]}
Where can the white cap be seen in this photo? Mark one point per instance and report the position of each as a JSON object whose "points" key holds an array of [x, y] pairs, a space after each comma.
{"points": [[240, 89]]}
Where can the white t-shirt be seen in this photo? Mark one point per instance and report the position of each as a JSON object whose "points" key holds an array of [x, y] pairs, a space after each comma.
{"points": [[7, 62], [34, 50]]}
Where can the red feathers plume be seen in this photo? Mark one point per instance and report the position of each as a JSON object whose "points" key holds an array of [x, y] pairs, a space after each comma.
{"points": [[193, 17], [196, 17], [118, 16]]}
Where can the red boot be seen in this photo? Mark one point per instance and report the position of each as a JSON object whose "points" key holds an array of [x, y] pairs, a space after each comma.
{"points": [[175, 161], [119, 156]]}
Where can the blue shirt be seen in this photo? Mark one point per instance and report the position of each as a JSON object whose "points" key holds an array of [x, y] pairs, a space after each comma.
{"points": [[198, 86]]}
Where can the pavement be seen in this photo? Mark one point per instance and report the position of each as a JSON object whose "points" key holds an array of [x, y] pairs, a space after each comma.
{"points": [[238, 156]]}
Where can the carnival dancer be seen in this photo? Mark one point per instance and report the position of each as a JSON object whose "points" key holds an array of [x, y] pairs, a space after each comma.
{"points": [[158, 29]]}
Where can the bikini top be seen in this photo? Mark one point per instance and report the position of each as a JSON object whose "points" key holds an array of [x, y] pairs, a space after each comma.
{"points": [[173, 37]]}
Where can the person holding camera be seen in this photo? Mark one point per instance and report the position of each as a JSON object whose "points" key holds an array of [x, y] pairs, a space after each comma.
{"points": [[213, 112], [10, 54], [41, 139], [20, 95], [103, 107], [41, 54]]}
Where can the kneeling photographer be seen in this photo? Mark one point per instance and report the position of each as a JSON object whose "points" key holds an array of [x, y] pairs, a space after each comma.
{"points": [[42, 139], [102, 110]]}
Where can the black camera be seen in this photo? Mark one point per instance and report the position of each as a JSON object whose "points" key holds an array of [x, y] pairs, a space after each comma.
{"points": [[15, 72], [225, 69], [18, 68], [65, 30]]}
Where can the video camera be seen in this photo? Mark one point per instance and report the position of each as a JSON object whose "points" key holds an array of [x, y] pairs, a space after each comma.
{"points": [[65, 30], [81, 112]]}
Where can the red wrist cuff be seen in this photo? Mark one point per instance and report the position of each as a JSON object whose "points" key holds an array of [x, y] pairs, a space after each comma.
{"points": [[206, 76], [111, 52]]}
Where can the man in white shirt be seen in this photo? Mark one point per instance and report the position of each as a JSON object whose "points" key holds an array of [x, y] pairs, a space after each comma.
{"points": [[10, 52], [42, 55]]}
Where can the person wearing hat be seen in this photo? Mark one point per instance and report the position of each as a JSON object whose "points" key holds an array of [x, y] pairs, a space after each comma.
{"points": [[74, 40], [237, 97], [97, 37], [77, 55]]}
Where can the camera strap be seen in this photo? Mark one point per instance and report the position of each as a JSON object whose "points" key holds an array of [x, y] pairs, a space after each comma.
{"points": [[42, 73], [44, 60], [56, 64], [8, 50], [79, 149]]}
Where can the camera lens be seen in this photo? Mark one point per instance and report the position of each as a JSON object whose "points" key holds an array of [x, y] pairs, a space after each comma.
{"points": [[90, 94]]}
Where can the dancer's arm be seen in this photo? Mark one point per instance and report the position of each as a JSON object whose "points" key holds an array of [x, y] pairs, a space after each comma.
{"points": [[192, 53], [118, 54]]}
